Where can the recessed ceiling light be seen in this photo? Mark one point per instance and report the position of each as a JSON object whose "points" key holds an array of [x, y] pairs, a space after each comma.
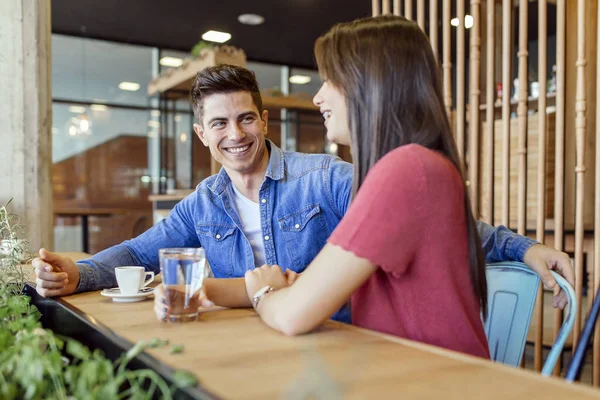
{"points": [[171, 61], [129, 86], [216, 36], [153, 124], [468, 21], [251, 19], [299, 79], [155, 113], [98, 107], [178, 118], [183, 137], [76, 109]]}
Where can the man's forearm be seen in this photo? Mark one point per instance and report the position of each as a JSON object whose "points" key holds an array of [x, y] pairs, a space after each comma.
{"points": [[227, 292], [502, 244], [98, 271]]}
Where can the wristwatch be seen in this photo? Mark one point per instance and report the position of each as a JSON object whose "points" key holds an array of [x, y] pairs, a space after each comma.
{"points": [[260, 294]]}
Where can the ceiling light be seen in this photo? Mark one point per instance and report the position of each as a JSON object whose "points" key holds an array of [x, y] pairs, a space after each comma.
{"points": [[155, 113], [183, 137], [153, 124], [54, 131], [251, 19], [177, 118], [98, 107], [171, 61], [129, 86], [76, 109], [216, 36], [299, 79], [468, 21]]}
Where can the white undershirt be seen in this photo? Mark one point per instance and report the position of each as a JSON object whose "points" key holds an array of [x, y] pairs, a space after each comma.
{"points": [[249, 213]]}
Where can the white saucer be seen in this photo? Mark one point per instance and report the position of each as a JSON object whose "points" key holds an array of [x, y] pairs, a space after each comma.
{"points": [[118, 297]]}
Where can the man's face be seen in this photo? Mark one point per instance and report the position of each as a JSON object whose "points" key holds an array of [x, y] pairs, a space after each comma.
{"points": [[234, 131]]}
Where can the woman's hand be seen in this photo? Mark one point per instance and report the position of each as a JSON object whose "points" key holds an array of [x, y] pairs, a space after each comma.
{"points": [[268, 275], [161, 307]]}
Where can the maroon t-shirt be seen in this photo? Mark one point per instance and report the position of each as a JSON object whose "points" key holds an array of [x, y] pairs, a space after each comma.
{"points": [[408, 218]]}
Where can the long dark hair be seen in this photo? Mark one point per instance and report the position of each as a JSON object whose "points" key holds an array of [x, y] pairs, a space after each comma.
{"points": [[386, 69]]}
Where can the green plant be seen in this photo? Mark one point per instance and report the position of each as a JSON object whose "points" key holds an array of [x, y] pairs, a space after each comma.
{"points": [[35, 363], [201, 45]]}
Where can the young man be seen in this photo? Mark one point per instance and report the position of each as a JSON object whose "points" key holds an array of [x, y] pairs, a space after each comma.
{"points": [[264, 206]]}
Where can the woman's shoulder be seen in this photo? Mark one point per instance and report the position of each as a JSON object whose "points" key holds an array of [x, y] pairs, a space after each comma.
{"points": [[414, 159]]}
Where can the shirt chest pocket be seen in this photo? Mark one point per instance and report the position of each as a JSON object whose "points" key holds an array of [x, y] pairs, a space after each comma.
{"points": [[305, 233], [218, 242]]}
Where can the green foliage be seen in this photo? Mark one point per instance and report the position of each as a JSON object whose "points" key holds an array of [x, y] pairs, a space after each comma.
{"points": [[37, 364], [201, 45]]}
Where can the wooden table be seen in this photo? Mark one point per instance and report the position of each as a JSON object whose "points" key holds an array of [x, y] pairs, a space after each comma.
{"points": [[235, 355]]}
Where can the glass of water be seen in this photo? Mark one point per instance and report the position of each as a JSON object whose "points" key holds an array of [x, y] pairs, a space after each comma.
{"points": [[183, 272]]}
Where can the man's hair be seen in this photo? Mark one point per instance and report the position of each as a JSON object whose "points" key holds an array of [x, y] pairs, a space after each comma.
{"points": [[223, 79]]}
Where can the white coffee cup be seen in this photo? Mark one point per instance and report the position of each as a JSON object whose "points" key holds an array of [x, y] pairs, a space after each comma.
{"points": [[132, 279]]}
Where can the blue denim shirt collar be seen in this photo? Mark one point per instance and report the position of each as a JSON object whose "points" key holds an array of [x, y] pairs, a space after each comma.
{"points": [[275, 170]]}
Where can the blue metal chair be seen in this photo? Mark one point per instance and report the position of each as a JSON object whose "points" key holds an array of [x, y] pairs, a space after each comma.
{"points": [[512, 289]]}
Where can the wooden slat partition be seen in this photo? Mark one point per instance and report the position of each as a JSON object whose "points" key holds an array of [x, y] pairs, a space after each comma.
{"points": [[475, 43], [447, 63], [488, 151], [596, 346], [580, 130], [408, 7], [460, 79], [506, 85], [421, 14], [559, 181], [433, 26]]}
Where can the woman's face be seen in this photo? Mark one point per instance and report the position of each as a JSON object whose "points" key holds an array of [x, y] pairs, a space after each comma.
{"points": [[332, 104]]}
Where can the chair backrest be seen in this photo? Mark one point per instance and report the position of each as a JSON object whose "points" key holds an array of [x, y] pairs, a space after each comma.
{"points": [[512, 290]]}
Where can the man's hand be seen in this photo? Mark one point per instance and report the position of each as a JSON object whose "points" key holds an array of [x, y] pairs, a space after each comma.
{"points": [[162, 308], [270, 275], [543, 259], [55, 275]]}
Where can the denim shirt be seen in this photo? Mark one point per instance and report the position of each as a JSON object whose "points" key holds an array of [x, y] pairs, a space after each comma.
{"points": [[302, 199]]}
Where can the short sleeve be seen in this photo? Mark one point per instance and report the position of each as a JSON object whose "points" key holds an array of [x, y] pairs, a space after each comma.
{"points": [[384, 222]]}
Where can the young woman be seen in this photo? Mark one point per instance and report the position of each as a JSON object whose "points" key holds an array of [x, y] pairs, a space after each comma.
{"points": [[407, 253]]}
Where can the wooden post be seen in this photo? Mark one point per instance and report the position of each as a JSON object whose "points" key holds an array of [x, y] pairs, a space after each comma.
{"points": [[433, 27], [375, 7], [408, 9], [506, 85], [475, 54], [421, 14], [397, 7], [580, 130], [460, 80], [447, 63], [385, 8], [559, 158], [541, 176], [596, 343], [488, 152], [26, 116]]}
